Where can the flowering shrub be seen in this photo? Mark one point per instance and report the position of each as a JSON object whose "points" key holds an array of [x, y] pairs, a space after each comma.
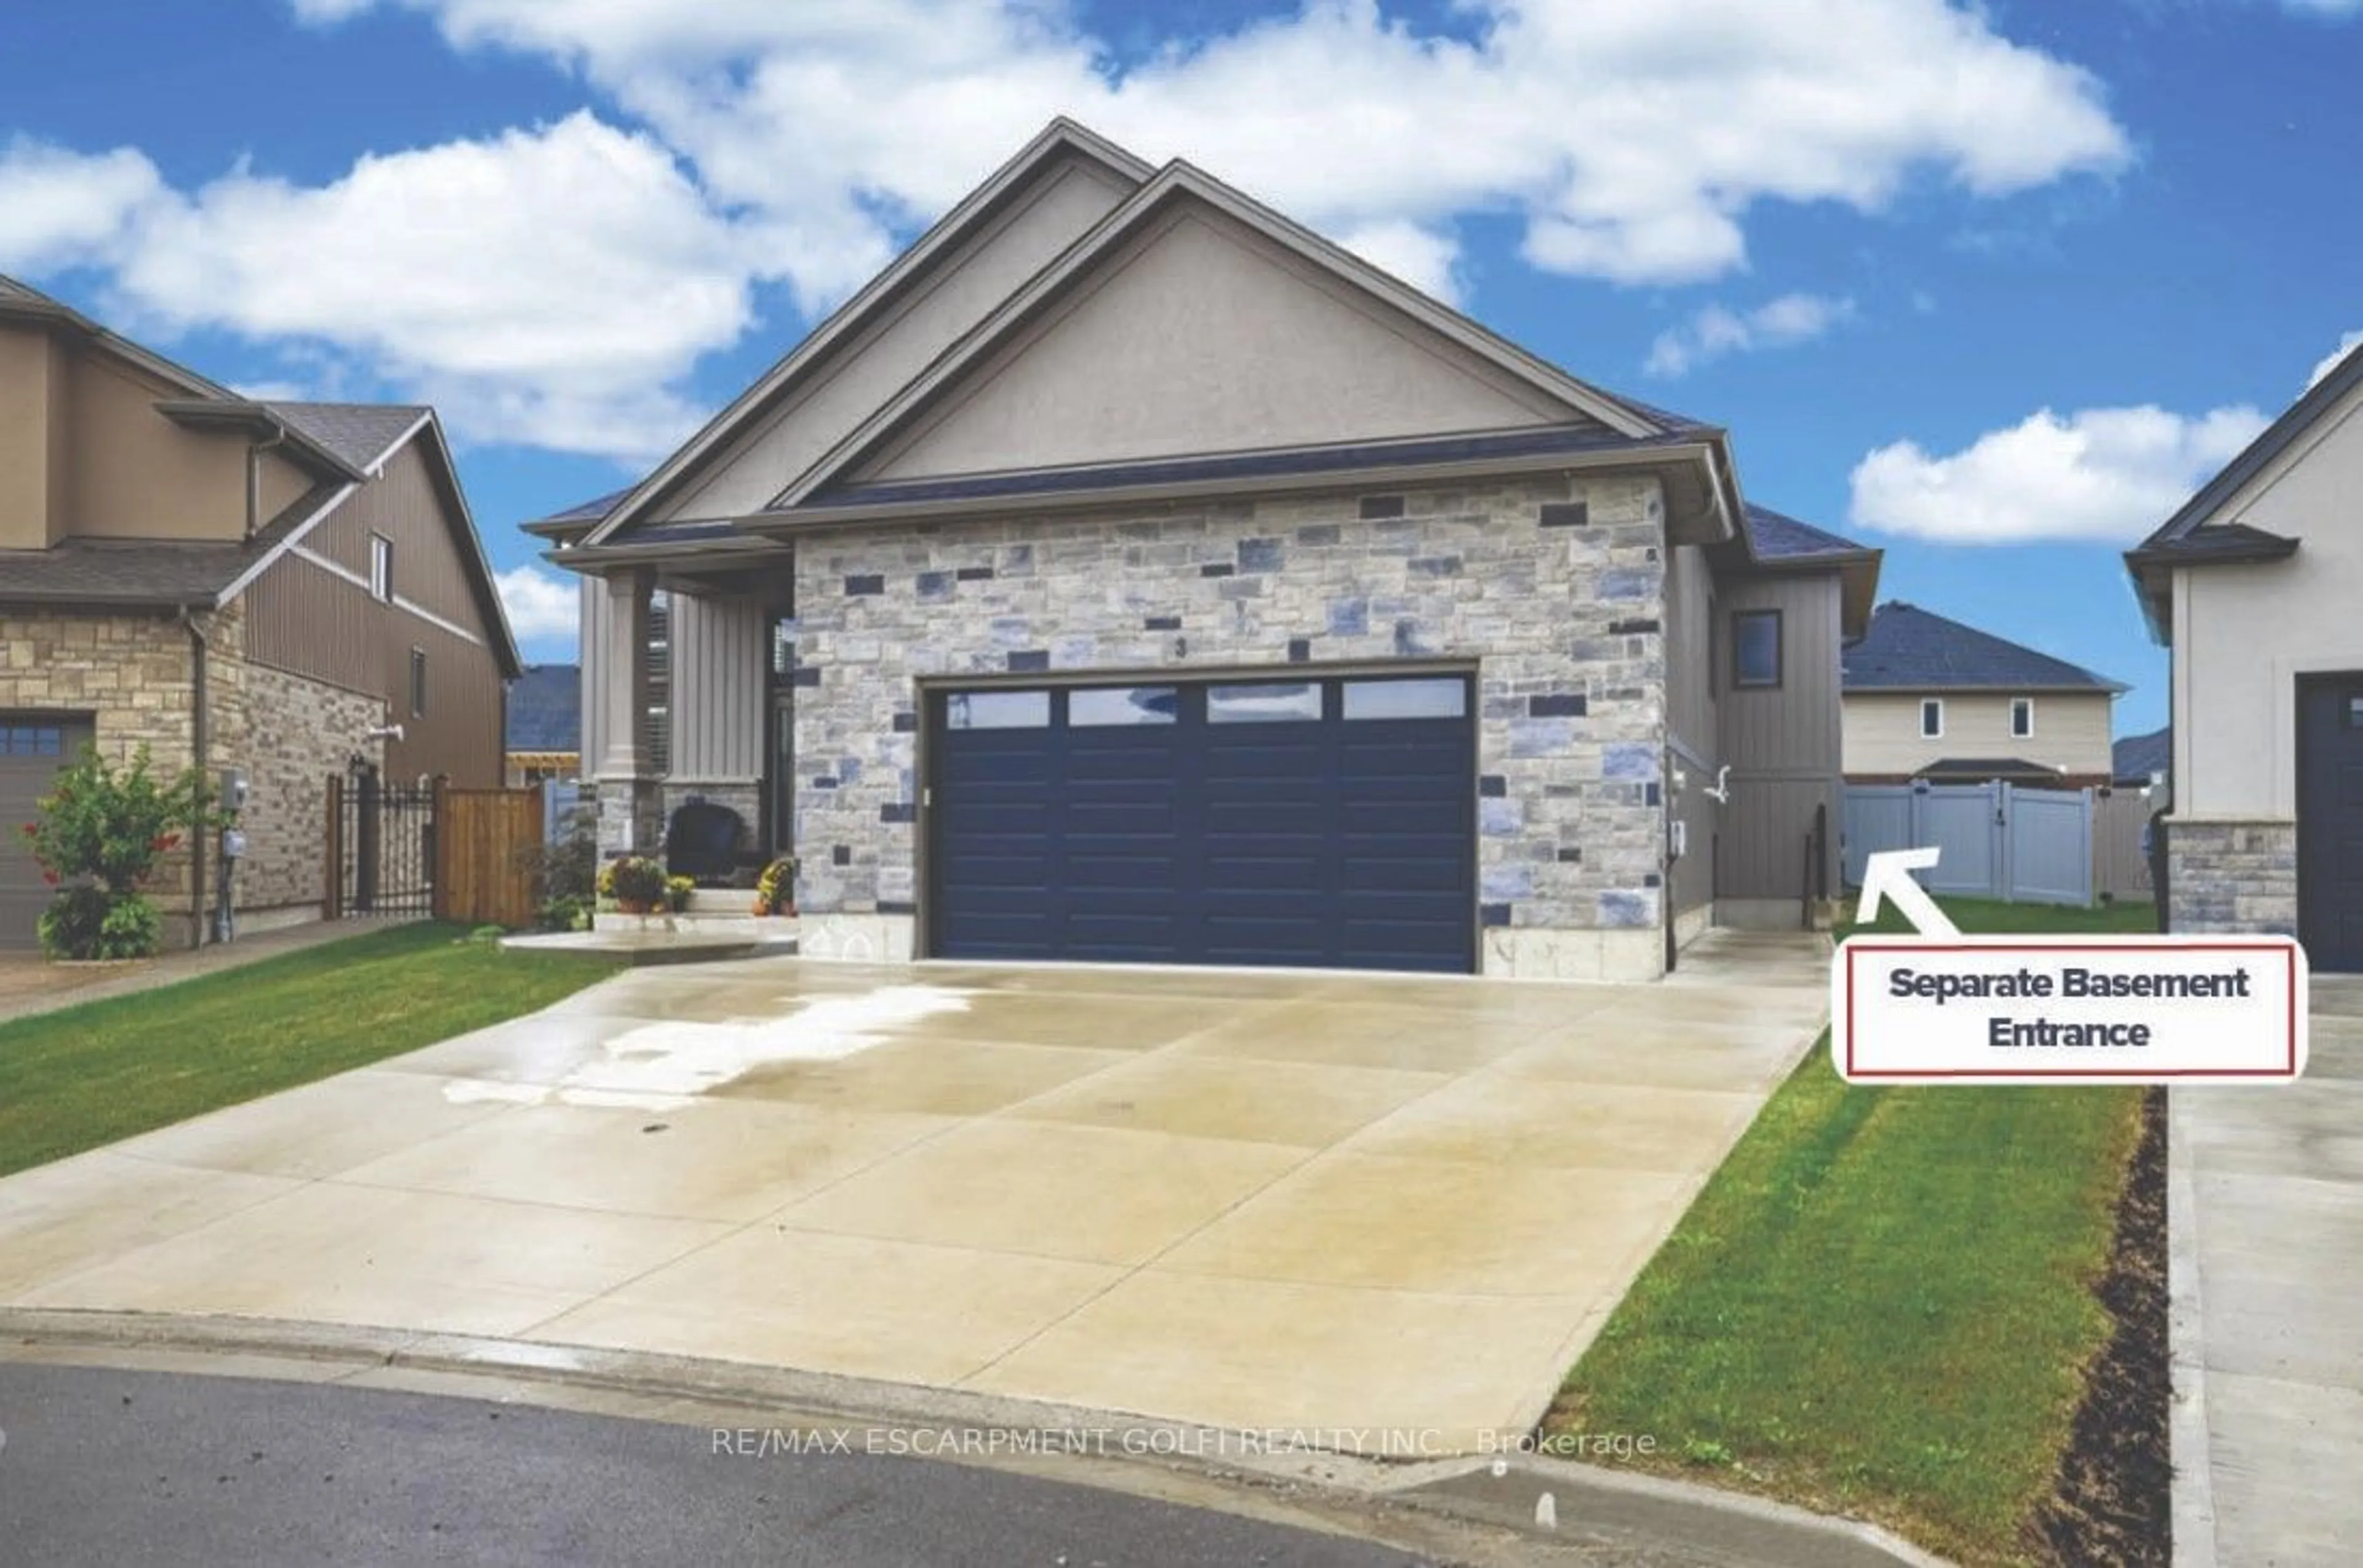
{"points": [[100, 832], [775, 891], [635, 883]]}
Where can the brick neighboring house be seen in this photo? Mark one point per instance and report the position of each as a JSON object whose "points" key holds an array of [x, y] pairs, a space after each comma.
{"points": [[1127, 573], [1929, 698], [235, 584]]}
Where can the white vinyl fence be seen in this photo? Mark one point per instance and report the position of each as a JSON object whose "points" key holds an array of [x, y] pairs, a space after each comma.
{"points": [[2031, 846]]}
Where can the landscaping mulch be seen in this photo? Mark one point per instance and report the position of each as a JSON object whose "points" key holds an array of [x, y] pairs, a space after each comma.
{"points": [[2111, 1503]]}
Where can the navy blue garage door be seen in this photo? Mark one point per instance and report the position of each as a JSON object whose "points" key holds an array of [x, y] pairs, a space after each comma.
{"points": [[1326, 823]]}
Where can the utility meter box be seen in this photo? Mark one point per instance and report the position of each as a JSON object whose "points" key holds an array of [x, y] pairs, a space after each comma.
{"points": [[233, 790], [233, 844]]}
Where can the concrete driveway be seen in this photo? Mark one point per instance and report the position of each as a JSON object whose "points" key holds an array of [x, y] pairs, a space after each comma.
{"points": [[1242, 1200], [2264, 1206]]}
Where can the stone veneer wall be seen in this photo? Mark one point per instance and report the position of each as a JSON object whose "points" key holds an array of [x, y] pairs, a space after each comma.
{"points": [[131, 675], [289, 733], [1553, 587], [2231, 876]]}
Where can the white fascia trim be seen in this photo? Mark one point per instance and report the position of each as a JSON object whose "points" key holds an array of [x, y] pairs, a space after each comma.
{"points": [[294, 536], [334, 570]]}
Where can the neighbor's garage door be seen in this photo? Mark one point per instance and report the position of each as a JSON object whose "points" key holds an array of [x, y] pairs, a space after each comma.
{"points": [[2330, 821], [1326, 823], [33, 747]]}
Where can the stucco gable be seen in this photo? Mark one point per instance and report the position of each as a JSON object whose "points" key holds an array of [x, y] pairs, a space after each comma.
{"points": [[1202, 335], [1004, 231]]}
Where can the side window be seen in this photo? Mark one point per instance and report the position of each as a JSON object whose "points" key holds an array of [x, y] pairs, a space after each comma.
{"points": [[380, 567], [1755, 649], [2022, 717], [1932, 719], [419, 681]]}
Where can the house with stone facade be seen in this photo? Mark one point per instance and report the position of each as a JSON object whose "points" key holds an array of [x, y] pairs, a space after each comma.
{"points": [[1128, 575], [2253, 585], [1931, 700], [279, 588]]}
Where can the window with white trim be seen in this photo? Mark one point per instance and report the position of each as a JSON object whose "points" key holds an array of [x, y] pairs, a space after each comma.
{"points": [[2022, 717], [380, 568], [1932, 719]]}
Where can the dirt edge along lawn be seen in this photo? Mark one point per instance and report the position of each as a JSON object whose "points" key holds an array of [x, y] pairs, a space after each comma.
{"points": [[1888, 1304], [87, 1075]]}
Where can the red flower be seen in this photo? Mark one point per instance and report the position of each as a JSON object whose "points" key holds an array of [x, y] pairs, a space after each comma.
{"points": [[30, 828], [50, 877]]}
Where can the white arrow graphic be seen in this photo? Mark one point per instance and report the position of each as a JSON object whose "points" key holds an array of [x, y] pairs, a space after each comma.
{"points": [[1887, 874]]}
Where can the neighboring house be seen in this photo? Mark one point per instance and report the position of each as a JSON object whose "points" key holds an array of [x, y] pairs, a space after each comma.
{"points": [[2138, 759], [259, 585], [1928, 699], [1128, 574], [2256, 585], [545, 724]]}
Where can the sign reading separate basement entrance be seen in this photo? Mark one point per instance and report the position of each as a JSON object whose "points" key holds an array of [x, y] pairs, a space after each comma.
{"points": [[1943, 1008]]}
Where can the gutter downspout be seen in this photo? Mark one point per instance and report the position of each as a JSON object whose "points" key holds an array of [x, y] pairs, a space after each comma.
{"points": [[254, 450], [198, 747]]}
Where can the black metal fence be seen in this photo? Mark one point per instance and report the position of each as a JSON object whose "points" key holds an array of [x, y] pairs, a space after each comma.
{"points": [[380, 845]]}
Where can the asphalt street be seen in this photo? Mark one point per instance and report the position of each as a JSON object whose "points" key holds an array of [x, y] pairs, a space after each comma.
{"points": [[131, 1468]]}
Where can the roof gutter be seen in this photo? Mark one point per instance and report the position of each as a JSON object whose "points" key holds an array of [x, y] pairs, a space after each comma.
{"points": [[887, 514]]}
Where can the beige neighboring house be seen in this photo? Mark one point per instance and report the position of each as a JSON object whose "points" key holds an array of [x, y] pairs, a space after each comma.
{"points": [[1929, 699], [266, 587], [2256, 587], [1128, 575]]}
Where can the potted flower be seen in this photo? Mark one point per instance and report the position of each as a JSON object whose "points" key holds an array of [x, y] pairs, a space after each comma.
{"points": [[677, 892], [775, 890], [635, 883]]}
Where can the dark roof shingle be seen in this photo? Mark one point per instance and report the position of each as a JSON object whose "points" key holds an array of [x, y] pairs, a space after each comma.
{"points": [[1909, 648], [546, 708], [356, 433], [1776, 536], [2135, 758], [161, 573]]}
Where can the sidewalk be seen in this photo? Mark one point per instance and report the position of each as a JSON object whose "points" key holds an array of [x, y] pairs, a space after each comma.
{"points": [[30, 985], [2266, 1210]]}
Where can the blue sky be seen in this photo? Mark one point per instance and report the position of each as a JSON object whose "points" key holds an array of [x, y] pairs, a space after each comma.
{"points": [[1991, 289]]}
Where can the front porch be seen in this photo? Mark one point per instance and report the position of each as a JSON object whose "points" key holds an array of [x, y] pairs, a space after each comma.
{"points": [[694, 668]]}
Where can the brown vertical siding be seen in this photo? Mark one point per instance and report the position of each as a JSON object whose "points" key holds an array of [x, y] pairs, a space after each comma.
{"points": [[1783, 745], [1691, 605], [320, 620]]}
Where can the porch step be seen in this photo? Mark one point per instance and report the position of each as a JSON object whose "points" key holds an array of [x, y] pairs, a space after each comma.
{"points": [[740, 923], [721, 901], [637, 948]]}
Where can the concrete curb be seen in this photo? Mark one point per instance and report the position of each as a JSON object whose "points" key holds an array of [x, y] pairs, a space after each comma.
{"points": [[2192, 1507], [1590, 1505]]}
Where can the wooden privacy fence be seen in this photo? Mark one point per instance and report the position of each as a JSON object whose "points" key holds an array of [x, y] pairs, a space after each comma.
{"points": [[485, 841]]}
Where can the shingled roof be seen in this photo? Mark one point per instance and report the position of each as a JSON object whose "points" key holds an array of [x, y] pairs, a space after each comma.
{"points": [[359, 434], [2135, 758], [1776, 536], [546, 708], [142, 572], [1909, 648]]}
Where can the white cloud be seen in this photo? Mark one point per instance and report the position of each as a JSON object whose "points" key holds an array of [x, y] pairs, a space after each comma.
{"points": [[1716, 331], [61, 209], [2348, 344], [2324, 8], [1634, 136], [2104, 474], [540, 606], [546, 286], [555, 285]]}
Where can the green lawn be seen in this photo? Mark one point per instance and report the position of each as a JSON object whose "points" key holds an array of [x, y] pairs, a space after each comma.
{"points": [[1881, 1305], [74, 1079]]}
